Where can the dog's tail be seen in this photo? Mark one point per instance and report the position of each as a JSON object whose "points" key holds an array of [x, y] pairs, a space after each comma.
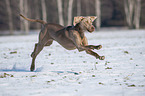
{"points": [[34, 20]]}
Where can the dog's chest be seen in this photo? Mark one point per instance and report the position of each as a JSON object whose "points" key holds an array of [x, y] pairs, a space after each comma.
{"points": [[82, 35], [71, 30]]}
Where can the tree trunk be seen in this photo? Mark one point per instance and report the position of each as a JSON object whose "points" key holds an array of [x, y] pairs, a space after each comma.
{"points": [[37, 14], [65, 11], [60, 12], [132, 11], [137, 14], [87, 7], [9, 16], [70, 6], [44, 15], [26, 23], [78, 7], [22, 12], [98, 13], [129, 12]]}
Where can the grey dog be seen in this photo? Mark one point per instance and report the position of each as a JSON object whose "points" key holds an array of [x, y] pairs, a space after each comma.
{"points": [[70, 37]]}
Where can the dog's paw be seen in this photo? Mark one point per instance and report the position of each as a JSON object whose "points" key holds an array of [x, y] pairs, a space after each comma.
{"points": [[32, 68], [102, 57], [99, 47]]}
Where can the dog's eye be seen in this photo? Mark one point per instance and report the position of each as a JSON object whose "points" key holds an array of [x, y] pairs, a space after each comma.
{"points": [[87, 22]]}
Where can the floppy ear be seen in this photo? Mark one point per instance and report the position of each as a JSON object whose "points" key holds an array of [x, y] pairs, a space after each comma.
{"points": [[92, 18], [77, 20]]}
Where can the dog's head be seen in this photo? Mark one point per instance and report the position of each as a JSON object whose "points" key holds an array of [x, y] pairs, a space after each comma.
{"points": [[85, 22]]}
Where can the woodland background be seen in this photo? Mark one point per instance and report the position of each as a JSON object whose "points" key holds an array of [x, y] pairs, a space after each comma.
{"points": [[110, 13]]}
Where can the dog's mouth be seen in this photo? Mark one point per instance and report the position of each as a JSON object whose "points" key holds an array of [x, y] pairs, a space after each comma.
{"points": [[91, 29]]}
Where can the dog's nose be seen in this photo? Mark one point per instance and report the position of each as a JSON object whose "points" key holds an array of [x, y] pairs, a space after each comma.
{"points": [[93, 28]]}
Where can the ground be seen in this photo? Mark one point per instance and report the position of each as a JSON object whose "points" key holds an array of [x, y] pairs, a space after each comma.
{"points": [[60, 72]]}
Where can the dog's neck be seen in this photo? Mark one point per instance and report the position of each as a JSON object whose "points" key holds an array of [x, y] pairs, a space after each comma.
{"points": [[80, 29]]}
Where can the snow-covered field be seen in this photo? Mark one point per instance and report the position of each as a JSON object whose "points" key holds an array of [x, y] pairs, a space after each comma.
{"points": [[60, 72]]}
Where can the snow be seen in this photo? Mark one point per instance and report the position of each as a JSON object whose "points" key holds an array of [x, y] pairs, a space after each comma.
{"points": [[60, 72]]}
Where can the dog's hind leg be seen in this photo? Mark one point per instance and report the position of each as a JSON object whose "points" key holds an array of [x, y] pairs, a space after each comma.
{"points": [[37, 50], [43, 41], [49, 43], [38, 47]]}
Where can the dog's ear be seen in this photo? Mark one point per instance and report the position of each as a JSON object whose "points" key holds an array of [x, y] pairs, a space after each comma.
{"points": [[92, 18], [77, 19]]}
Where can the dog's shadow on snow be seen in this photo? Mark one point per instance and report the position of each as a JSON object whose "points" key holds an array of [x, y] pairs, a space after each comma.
{"points": [[15, 69], [37, 70], [66, 72]]}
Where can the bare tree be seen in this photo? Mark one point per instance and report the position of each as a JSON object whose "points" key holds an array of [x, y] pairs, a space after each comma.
{"points": [[9, 16], [70, 6], [98, 13], [37, 14], [24, 10], [26, 14], [60, 12], [132, 11], [137, 14], [65, 11], [44, 15], [128, 4], [87, 7], [78, 7]]}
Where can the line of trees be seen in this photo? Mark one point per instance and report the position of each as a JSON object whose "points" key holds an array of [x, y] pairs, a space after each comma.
{"points": [[109, 12]]}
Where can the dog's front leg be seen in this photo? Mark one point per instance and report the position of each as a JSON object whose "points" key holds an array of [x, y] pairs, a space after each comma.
{"points": [[94, 47], [77, 40], [85, 43], [95, 54]]}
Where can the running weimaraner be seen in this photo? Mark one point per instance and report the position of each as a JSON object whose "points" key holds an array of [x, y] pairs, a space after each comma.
{"points": [[70, 37]]}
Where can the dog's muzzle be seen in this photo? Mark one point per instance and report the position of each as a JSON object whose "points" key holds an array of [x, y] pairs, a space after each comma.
{"points": [[91, 29]]}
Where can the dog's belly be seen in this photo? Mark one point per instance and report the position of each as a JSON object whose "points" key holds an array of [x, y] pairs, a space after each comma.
{"points": [[63, 39], [67, 44]]}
